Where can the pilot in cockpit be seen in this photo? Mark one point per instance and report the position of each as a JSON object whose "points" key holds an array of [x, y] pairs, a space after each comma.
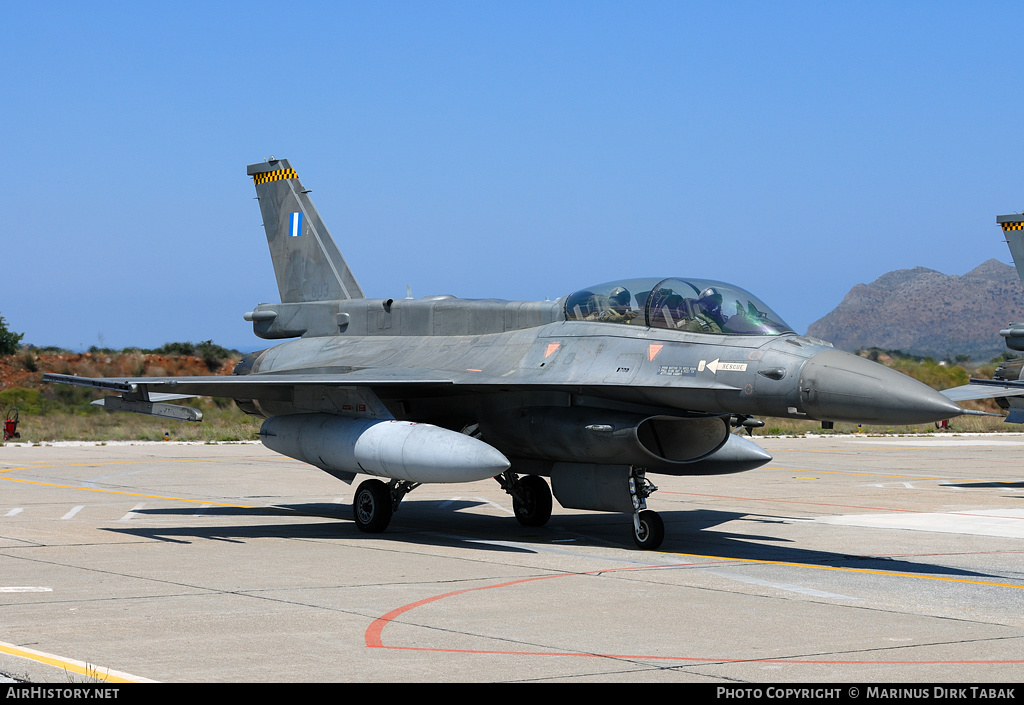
{"points": [[619, 310], [706, 313], [710, 304]]}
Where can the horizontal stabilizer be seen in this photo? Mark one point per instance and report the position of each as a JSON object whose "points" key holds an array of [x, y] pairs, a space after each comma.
{"points": [[1015, 416], [983, 389]]}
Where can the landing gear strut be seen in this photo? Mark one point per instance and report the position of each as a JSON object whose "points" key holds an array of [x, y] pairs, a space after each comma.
{"points": [[375, 502], [531, 498], [648, 528]]}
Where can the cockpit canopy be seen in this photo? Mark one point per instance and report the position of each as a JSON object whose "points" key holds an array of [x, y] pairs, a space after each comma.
{"points": [[698, 305]]}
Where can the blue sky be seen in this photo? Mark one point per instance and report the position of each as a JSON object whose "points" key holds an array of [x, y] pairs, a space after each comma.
{"points": [[514, 150]]}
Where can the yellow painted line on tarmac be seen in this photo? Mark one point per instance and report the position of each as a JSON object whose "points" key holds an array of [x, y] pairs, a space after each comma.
{"points": [[80, 668], [121, 492], [206, 502], [866, 571], [862, 474], [134, 494], [117, 462]]}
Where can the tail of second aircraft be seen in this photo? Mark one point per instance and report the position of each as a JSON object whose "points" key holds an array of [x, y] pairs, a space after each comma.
{"points": [[1013, 229], [308, 265]]}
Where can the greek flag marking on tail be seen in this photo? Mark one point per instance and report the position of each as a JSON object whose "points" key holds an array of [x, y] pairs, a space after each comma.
{"points": [[295, 224]]}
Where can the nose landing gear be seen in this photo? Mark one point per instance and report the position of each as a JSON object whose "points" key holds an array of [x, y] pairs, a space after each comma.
{"points": [[648, 528]]}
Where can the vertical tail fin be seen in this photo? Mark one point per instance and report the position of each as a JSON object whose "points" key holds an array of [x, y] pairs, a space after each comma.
{"points": [[1013, 229], [308, 265]]}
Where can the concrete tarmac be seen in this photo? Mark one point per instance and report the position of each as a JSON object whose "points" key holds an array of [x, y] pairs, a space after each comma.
{"points": [[846, 559]]}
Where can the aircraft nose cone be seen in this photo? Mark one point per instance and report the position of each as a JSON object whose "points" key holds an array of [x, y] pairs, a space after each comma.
{"points": [[839, 386]]}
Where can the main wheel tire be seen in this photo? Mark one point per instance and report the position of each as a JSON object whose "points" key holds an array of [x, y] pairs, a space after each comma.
{"points": [[535, 507], [371, 507], [652, 531]]}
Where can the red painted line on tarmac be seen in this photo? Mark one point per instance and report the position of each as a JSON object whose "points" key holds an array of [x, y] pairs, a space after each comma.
{"points": [[374, 633]]}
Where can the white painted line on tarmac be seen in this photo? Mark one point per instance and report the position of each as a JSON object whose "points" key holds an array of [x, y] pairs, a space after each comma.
{"points": [[943, 442], [499, 507], [25, 589], [133, 513], [73, 512], [907, 485], [787, 587], [1004, 523]]}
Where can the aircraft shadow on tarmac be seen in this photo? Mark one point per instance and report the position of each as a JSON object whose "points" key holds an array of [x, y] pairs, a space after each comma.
{"points": [[993, 484], [441, 523]]}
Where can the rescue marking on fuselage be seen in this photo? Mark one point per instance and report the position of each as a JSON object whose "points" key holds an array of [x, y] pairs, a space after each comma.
{"points": [[715, 366]]}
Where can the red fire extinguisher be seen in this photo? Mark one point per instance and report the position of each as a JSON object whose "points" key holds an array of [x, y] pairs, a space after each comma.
{"points": [[11, 425]]}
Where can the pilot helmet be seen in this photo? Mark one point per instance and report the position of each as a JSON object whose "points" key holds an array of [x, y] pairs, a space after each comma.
{"points": [[710, 299], [619, 297]]}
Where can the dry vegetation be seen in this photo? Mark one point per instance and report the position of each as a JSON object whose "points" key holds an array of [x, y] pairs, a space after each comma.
{"points": [[54, 412]]}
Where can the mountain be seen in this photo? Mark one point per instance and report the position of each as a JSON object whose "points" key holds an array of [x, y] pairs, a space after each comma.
{"points": [[924, 312]]}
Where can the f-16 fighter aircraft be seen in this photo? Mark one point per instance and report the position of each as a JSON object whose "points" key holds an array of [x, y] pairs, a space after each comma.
{"points": [[596, 390]]}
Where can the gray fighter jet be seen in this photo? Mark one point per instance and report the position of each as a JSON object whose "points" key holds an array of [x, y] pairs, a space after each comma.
{"points": [[595, 390]]}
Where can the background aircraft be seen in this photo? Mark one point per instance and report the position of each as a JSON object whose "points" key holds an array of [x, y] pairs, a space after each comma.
{"points": [[1007, 383], [593, 390]]}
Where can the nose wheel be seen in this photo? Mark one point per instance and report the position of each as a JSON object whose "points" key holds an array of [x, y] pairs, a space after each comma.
{"points": [[648, 530]]}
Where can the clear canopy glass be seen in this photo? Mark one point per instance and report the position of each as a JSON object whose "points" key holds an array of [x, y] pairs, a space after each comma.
{"points": [[698, 305]]}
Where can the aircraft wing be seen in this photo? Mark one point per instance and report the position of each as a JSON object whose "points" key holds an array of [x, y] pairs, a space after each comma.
{"points": [[255, 385], [145, 395], [347, 387], [985, 389]]}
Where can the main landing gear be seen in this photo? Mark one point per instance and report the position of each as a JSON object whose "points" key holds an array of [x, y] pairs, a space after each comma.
{"points": [[375, 502], [531, 498]]}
